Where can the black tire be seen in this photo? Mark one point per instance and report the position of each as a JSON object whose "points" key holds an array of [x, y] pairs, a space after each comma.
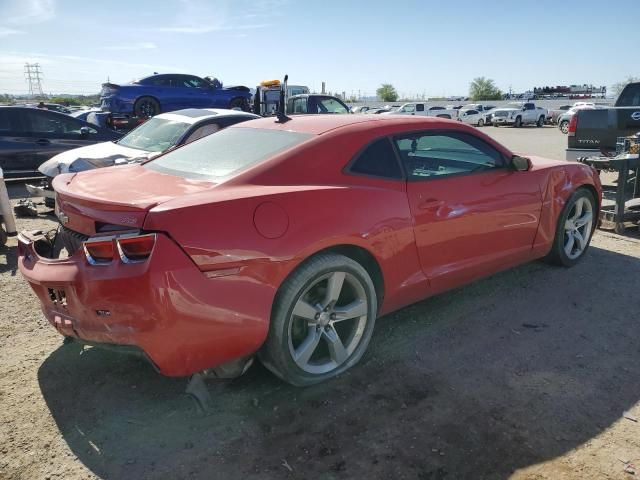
{"points": [[481, 123], [558, 255], [564, 126], [540, 121], [240, 103], [448, 117], [276, 352], [518, 122], [146, 107]]}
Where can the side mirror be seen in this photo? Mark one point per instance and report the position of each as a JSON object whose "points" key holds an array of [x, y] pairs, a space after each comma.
{"points": [[520, 164], [85, 131]]}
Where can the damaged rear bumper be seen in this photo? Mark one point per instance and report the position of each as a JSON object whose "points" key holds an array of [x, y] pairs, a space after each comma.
{"points": [[183, 321]]}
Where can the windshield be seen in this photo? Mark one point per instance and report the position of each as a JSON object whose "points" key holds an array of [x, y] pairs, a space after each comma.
{"points": [[225, 153], [155, 135]]}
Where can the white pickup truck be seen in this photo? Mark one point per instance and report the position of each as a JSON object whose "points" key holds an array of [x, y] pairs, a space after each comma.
{"points": [[518, 114], [420, 108]]}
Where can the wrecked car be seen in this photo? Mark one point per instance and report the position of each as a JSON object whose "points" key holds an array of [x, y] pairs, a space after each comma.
{"points": [[286, 238], [155, 136]]}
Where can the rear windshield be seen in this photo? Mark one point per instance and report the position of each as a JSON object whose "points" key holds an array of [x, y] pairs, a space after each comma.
{"points": [[155, 135], [225, 153]]}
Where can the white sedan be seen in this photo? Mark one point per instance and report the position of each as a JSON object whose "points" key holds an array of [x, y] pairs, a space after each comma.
{"points": [[473, 117]]}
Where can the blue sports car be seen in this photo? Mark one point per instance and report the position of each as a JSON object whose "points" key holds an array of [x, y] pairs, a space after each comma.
{"points": [[168, 92]]}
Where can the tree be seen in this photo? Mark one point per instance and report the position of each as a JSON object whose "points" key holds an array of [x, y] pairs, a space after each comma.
{"points": [[484, 89], [387, 93], [616, 88]]}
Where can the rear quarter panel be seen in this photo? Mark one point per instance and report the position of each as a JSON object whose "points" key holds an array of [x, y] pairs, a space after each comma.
{"points": [[230, 232]]}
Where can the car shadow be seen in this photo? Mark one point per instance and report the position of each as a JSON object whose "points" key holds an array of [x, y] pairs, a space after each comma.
{"points": [[508, 372]]}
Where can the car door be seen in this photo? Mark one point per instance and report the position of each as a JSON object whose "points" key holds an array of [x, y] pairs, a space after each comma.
{"points": [[529, 114], [52, 133], [191, 94], [16, 145], [473, 213]]}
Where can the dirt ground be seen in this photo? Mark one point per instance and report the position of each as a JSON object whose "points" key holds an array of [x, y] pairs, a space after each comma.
{"points": [[524, 375]]}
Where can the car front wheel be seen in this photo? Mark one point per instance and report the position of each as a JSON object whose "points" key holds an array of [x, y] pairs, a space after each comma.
{"points": [[574, 230], [322, 320]]}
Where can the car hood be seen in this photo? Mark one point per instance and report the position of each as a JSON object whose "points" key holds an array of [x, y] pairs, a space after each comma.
{"points": [[105, 154], [119, 195], [506, 109]]}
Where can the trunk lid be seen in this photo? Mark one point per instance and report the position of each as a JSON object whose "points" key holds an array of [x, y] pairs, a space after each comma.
{"points": [[105, 199]]}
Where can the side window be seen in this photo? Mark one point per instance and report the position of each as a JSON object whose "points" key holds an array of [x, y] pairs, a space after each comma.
{"points": [[330, 105], [378, 160], [409, 108], [300, 105], [160, 81], [420, 107], [436, 155], [41, 122], [202, 131], [191, 82], [630, 96]]}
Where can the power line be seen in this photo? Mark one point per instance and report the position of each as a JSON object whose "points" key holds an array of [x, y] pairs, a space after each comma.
{"points": [[32, 74]]}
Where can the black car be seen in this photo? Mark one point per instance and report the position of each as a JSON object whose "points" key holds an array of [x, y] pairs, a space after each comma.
{"points": [[29, 136]]}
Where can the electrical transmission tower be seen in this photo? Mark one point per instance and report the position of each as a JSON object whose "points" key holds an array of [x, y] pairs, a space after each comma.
{"points": [[33, 75]]}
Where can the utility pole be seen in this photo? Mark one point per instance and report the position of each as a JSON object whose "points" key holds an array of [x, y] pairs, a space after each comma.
{"points": [[33, 74]]}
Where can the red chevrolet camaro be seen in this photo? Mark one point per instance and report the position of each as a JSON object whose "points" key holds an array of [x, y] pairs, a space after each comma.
{"points": [[286, 239]]}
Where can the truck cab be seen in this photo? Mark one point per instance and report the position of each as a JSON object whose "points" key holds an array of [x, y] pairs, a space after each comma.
{"points": [[422, 109], [267, 96], [593, 130]]}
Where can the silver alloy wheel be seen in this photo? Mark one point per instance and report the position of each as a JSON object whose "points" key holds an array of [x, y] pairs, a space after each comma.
{"points": [[564, 127], [577, 228], [327, 322]]}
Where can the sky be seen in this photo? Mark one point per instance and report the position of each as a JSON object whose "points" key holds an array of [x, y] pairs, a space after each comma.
{"points": [[424, 47]]}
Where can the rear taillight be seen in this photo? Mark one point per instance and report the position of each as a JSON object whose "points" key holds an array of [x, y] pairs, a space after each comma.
{"points": [[573, 124], [130, 249], [136, 249], [98, 252]]}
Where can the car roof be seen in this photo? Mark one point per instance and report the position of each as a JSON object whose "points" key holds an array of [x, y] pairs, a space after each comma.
{"points": [[319, 124], [195, 115]]}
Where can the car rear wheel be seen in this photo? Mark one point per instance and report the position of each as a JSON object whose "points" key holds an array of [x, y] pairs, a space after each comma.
{"points": [[518, 122], [564, 127], [481, 123], [146, 107], [322, 320], [574, 230], [540, 121]]}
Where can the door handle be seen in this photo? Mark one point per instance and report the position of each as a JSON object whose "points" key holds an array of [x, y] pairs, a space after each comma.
{"points": [[43, 141], [430, 203]]}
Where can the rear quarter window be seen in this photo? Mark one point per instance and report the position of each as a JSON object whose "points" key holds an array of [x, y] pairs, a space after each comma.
{"points": [[377, 160]]}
